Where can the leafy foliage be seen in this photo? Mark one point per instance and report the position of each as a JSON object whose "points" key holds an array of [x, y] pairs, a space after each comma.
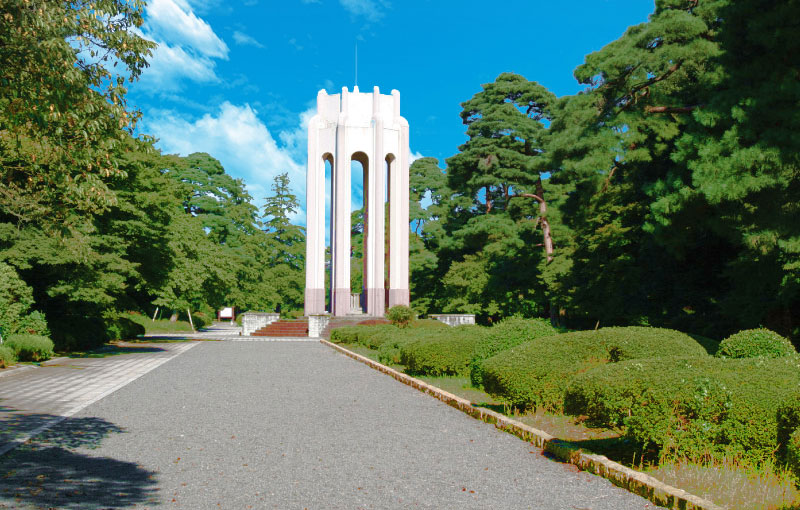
{"points": [[755, 343]]}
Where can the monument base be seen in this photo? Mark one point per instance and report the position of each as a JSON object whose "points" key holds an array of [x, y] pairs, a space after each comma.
{"points": [[315, 302], [399, 297], [375, 302], [340, 305]]}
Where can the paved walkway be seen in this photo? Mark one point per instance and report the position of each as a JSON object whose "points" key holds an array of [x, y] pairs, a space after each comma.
{"points": [[272, 425]]}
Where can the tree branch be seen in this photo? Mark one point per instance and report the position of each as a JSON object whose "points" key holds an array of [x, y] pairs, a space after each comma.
{"points": [[672, 109]]}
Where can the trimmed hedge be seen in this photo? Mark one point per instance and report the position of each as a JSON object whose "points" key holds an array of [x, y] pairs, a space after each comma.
{"points": [[698, 407], [439, 352], [7, 356], [755, 343], [788, 422], [536, 373], [503, 336], [30, 347], [793, 453], [123, 328], [363, 335]]}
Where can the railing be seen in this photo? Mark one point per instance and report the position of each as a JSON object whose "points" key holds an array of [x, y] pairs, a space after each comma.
{"points": [[355, 303]]}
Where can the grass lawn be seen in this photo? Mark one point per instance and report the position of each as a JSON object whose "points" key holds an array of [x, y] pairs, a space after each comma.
{"points": [[729, 484], [160, 325]]}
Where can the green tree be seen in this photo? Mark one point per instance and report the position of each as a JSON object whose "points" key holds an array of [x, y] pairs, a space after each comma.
{"points": [[286, 243], [62, 106]]}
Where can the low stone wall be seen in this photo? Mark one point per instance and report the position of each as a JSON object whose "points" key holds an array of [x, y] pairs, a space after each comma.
{"points": [[454, 319], [253, 321], [317, 324]]}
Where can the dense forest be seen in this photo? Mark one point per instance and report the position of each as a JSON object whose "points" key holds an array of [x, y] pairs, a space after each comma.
{"points": [[666, 193]]}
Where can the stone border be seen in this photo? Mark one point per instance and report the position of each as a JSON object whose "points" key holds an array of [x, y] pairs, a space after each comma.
{"points": [[638, 483]]}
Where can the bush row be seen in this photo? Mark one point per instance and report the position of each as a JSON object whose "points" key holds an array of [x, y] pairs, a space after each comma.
{"points": [[536, 373], [693, 406], [439, 352], [503, 336]]}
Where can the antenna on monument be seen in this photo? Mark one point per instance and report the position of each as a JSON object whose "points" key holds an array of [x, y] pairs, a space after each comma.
{"points": [[356, 84]]}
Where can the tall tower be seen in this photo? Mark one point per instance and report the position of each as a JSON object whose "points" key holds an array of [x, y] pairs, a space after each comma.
{"points": [[368, 128]]}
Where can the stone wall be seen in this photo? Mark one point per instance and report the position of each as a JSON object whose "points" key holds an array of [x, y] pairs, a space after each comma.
{"points": [[454, 319], [253, 321]]}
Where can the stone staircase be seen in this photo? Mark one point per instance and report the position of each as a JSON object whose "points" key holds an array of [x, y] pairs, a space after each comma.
{"points": [[284, 328]]}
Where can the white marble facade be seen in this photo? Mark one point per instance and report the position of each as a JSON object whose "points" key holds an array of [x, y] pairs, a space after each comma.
{"points": [[368, 128]]}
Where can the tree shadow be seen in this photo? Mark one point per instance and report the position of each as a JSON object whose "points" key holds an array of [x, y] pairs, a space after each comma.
{"points": [[115, 350], [50, 471]]}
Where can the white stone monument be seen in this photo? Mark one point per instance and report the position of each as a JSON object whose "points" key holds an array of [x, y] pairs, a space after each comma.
{"points": [[368, 128]]}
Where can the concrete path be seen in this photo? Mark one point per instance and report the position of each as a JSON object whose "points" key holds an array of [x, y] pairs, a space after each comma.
{"points": [[284, 425], [33, 400]]}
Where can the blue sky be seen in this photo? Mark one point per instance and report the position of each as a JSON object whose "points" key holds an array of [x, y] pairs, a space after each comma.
{"points": [[239, 79]]}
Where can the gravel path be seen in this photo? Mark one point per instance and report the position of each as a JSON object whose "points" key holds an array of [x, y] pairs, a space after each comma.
{"points": [[285, 425]]}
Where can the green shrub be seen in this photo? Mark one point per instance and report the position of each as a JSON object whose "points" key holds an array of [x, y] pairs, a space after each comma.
{"points": [[439, 352], [30, 347], [788, 422], [754, 343], [536, 373], [16, 298], [200, 320], [345, 335], [400, 315], [34, 323], [7, 356], [78, 333], [123, 328], [503, 336], [691, 406], [793, 454]]}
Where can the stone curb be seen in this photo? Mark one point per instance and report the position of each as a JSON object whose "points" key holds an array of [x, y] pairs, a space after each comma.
{"points": [[638, 483]]}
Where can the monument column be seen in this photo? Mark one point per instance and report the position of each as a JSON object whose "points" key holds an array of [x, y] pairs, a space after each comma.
{"points": [[340, 237], [398, 217], [374, 201], [315, 223]]}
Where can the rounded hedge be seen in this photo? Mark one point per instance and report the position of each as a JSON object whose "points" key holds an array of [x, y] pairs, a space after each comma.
{"points": [[697, 407], [504, 335], [439, 352], [755, 343], [7, 356], [536, 373], [788, 422], [30, 347]]}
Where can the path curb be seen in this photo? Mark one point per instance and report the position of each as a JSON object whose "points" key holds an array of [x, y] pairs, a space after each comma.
{"points": [[638, 483]]}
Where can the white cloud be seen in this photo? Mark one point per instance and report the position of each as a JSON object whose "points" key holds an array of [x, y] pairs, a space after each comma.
{"points": [[240, 140], [372, 10], [415, 156], [173, 21], [245, 40], [187, 47], [170, 65]]}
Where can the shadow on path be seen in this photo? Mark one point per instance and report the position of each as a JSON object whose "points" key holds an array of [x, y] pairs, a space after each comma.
{"points": [[51, 471]]}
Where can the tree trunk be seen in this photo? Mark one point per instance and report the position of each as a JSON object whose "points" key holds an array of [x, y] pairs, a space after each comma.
{"points": [[174, 317], [548, 238]]}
